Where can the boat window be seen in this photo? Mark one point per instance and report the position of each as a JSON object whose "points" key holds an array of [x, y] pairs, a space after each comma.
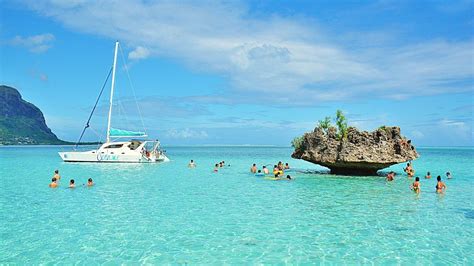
{"points": [[134, 145], [114, 146]]}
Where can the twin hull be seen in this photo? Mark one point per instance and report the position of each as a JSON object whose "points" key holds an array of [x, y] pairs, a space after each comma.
{"points": [[91, 156]]}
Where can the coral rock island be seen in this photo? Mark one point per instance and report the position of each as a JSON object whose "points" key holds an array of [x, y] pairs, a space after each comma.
{"points": [[359, 153]]}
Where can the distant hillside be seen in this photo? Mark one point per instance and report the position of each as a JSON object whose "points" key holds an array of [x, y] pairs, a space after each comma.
{"points": [[21, 122]]}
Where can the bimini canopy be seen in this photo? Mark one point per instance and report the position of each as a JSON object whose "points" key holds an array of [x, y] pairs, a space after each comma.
{"points": [[119, 133]]}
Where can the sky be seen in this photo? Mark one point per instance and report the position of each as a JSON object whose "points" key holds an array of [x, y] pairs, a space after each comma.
{"points": [[244, 72]]}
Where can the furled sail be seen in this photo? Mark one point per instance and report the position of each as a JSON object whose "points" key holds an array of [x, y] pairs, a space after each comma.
{"points": [[125, 133]]}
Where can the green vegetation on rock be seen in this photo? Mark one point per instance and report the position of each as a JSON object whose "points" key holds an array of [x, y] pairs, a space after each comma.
{"points": [[21, 122], [341, 123], [297, 142]]}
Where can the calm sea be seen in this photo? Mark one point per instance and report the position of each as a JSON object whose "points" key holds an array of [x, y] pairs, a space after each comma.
{"points": [[167, 213]]}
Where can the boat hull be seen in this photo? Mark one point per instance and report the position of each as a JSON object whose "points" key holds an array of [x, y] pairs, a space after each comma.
{"points": [[94, 157]]}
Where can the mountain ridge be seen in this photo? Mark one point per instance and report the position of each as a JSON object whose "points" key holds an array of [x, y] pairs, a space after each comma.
{"points": [[21, 122]]}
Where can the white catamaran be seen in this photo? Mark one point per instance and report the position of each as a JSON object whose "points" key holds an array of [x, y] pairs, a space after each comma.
{"points": [[135, 150]]}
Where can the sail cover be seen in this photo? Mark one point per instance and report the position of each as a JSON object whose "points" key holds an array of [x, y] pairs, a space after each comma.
{"points": [[125, 133]]}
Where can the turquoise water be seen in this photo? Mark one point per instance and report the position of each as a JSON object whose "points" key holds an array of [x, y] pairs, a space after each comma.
{"points": [[168, 213]]}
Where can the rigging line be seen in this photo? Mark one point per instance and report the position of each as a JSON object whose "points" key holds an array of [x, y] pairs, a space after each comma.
{"points": [[133, 89], [93, 109]]}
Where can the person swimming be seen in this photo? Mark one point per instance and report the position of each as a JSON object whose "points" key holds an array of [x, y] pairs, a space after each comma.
{"points": [[90, 183], [259, 173], [288, 177], [191, 164], [275, 169], [416, 187], [56, 175], [287, 166], [428, 175], [390, 176], [280, 165], [448, 175], [265, 170], [53, 183], [440, 185], [216, 168], [71, 183], [253, 169]]}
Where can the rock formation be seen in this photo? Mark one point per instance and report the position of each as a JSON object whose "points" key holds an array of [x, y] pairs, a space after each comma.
{"points": [[21, 122], [361, 153]]}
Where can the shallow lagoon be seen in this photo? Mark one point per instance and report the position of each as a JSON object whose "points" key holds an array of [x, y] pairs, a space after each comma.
{"points": [[168, 213]]}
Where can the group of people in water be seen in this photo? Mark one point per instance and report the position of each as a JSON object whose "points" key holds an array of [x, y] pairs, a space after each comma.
{"points": [[278, 170], [72, 184], [219, 165], [416, 185]]}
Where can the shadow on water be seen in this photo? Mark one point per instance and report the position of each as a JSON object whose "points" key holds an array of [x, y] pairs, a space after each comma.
{"points": [[468, 213]]}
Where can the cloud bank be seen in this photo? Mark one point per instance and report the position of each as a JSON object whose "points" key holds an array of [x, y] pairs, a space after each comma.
{"points": [[285, 56]]}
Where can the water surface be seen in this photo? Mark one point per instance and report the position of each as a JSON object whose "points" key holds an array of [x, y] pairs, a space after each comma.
{"points": [[168, 213]]}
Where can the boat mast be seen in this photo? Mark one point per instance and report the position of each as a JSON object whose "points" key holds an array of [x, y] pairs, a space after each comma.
{"points": [[112, 91]]}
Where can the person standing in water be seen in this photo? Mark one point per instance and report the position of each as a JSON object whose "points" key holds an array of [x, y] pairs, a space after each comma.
{"points": [[90, 183], [53, 183], [56, 175], [440, 185], [287, 166], [191, 164], [416, 187], [265, 170], [71, 183], [253, 169]]}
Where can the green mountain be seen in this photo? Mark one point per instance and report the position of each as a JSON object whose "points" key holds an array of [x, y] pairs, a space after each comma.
{"points": [[21, 122]]}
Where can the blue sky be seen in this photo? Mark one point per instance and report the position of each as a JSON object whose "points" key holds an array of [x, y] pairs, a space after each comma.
{"points": [[250, 72]]}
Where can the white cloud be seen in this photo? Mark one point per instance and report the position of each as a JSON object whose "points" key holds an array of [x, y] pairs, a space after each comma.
{"points": [[285, 56], [417, 134], [186, 134], [36, 43], [139, 53]]}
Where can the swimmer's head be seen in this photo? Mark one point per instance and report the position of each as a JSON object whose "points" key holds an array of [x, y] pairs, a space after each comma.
{"points": [[192, 161], [428, 173], [286, 163], [254, 165], [264, 167], [276, 175], [288, 176], [438, 178], [217, 164], [56, 171], [71, 181], [259, 171], [89, 180], [54, 179], [417, 179]]}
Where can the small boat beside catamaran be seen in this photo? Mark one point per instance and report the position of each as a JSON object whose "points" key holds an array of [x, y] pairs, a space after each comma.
{"points": [[134, 150]]}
